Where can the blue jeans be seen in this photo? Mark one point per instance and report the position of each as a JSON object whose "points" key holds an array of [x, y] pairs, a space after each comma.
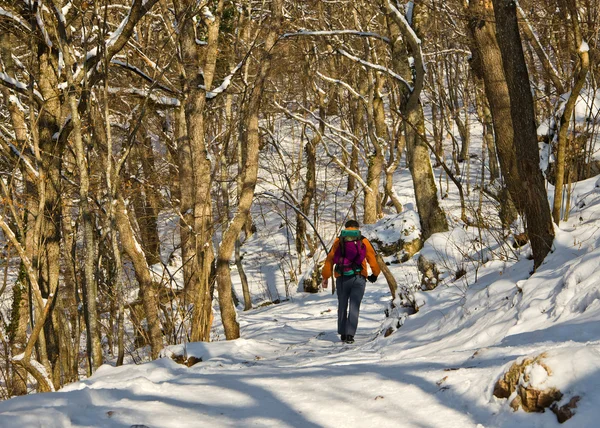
{"points": [[350, 291]]}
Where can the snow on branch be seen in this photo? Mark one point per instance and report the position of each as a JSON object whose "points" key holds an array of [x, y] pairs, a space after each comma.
{"points": [[448, 51], [10, 149], [143, 93], [336, 33], [6, 134], [410, 8], [207, 14], [121, 35], [67, 8], [377, 67], [226, 82], [140, 73], [403, 24], [343, 84], [13, 83], [41, 25], [414, 43], [59, 12], [14, 17], [115, 34], [19, 87], [41, 369], [16, 152]]}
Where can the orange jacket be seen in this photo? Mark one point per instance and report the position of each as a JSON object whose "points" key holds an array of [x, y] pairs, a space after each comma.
{"points": [[370, 258]]}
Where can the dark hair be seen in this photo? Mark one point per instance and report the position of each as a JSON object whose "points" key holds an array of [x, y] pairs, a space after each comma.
{"points": [[352, 223]]}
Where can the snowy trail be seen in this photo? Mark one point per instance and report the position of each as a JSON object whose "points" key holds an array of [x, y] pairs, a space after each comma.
{"points": [[332, 384], [289, 370]]}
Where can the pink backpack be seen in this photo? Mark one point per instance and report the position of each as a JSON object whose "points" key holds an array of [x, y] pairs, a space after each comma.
{"points": [[350, 253]]}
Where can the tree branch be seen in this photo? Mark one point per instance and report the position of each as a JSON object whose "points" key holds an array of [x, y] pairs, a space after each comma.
{"points": [[333, 157], [377, 67], [143, 75], [336, 33], [20, 87], [13, 16]]}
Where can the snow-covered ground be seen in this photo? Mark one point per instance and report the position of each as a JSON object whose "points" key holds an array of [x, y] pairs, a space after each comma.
{"points": [[438, 369]]}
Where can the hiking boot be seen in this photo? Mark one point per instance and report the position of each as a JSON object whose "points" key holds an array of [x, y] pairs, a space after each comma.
{"points": [[344, 337], [349, 339]]}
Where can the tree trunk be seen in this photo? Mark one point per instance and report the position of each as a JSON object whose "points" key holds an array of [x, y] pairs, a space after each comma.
{"points": [[357, 124], [146, 201], [70, 294], [538, 225], [20, 307], [584, 65], [249, 178], [49, 193], [90, 285], [197, 74], [143, 275], [17, 331], [432, 217], [310, 186], [436, 81], [485, 116], [40, 371], [186, 204], [487, 64], [243, 277], [378, 136], [390, 193]]}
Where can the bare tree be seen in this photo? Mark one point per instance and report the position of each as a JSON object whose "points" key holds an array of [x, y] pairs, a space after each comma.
{"points": [[584, 65], [249, 173], [431, 215], [538, 218]]}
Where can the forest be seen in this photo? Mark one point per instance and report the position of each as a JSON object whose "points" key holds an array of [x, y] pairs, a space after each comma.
{"points": [[144, 142]]}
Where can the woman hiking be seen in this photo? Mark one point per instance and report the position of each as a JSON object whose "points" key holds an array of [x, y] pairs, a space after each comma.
{"points": [[350, 254]]}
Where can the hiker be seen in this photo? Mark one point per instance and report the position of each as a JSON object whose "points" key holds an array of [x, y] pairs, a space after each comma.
{"points": [[350, 254]]}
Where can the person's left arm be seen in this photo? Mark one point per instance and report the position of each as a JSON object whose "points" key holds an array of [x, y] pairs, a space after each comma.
{"points": [[372, 260]]}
